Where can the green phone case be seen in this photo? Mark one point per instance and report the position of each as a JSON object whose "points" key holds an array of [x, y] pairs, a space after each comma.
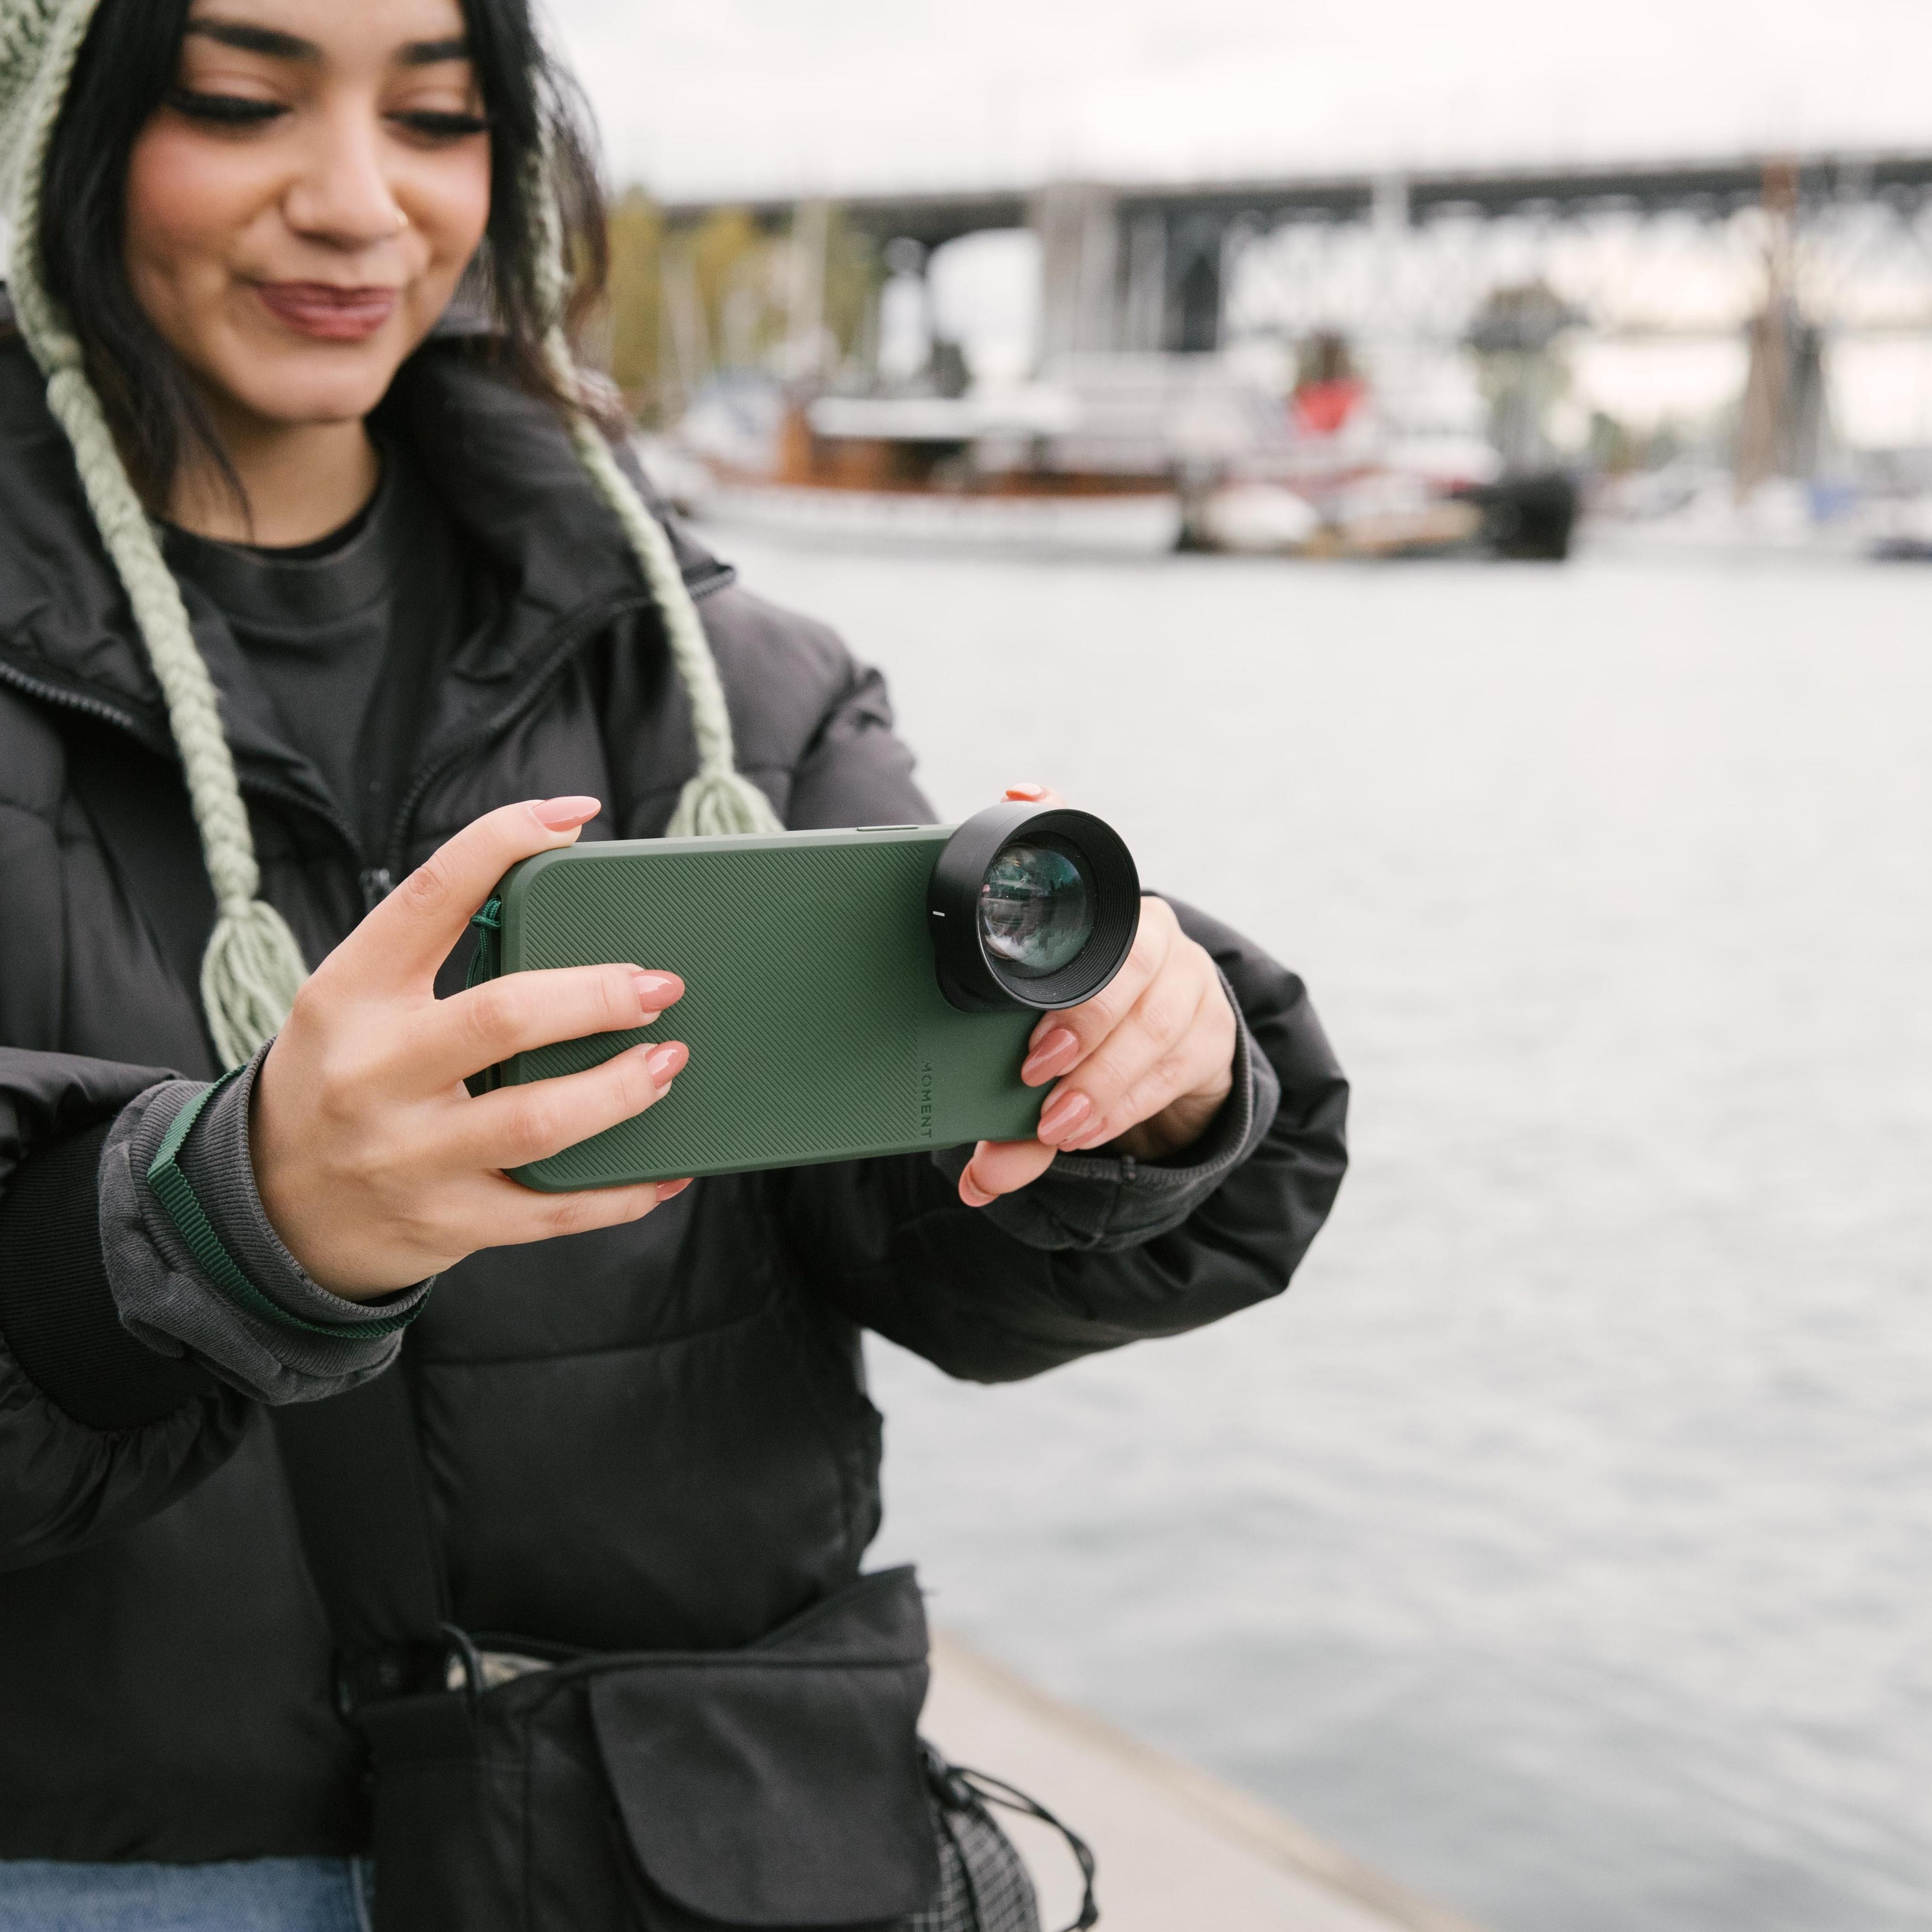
{"points": [[816, 1028]]}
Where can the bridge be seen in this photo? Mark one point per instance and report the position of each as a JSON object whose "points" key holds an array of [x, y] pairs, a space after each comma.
{"points": [[1179, 266]]}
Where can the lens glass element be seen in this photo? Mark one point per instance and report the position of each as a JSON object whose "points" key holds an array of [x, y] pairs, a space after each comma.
{"points": [[1035, 909]]}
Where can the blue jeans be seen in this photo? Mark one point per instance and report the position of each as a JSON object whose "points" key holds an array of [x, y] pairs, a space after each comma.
{"points": [[247, 1895]]}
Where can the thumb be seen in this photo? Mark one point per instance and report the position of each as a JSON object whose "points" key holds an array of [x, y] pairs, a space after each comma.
{"points": [[1002, 1167]]}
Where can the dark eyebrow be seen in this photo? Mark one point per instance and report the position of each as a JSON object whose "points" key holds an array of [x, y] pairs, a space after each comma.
{"points": [[272, 41], [252, 40], [432, 53]]}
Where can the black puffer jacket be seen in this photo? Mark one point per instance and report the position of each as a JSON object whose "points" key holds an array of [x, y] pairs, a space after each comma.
{"points": [[656, 1435]]}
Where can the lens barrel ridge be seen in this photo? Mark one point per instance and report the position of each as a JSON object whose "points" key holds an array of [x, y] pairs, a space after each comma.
{"points": [[1031, 906]]}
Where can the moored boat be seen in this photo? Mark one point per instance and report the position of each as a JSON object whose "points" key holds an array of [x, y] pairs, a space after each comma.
{"points": [[971, 470]]}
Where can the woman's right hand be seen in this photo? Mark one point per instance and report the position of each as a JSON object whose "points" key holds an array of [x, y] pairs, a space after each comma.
{"points": [[375, 1164]]}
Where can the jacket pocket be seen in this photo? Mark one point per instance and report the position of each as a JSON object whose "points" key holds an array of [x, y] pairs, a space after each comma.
{"points": [[780, 1786]]}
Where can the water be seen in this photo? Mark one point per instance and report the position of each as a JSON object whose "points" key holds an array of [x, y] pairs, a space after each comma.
{"points": [[1561, 1543]]}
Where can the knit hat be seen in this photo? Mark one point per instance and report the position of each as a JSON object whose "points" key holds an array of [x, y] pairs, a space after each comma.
{"points": [[253, 967]]}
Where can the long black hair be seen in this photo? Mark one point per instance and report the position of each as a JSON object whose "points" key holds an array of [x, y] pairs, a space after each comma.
{"points": [[128, 65]]}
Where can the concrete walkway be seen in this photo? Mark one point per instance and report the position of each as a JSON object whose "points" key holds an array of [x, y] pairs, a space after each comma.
{"points": [[1178, 1850]]}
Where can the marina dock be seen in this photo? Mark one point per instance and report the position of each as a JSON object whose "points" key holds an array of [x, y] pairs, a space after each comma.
{"points": [[1178, 1850]]}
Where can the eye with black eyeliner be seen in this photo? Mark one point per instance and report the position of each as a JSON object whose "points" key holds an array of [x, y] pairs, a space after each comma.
{"points": [[432, 126], [225, 110]]}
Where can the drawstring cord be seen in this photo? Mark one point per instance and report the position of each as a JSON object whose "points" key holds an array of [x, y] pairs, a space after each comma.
{"points": [[959, 1786]]}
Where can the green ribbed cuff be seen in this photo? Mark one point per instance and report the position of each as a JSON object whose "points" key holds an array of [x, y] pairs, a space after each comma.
{"points": [[172, 1189]]}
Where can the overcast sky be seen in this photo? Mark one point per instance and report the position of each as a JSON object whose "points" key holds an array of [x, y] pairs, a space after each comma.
{"points": [[699, 96]]}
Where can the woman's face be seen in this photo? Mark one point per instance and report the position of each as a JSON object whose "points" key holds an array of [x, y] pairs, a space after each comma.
{"points": [[301, 207]]}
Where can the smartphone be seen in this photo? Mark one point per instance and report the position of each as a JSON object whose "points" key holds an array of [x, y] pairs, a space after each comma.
{"points": [[847, 993]]}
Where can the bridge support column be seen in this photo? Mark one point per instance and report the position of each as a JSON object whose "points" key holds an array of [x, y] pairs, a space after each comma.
{"points": [[1079, 226], [1195, 257], [1144, 305]]}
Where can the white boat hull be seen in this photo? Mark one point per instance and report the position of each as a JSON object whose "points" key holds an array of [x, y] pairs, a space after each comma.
{"points": [[1144, 525]]}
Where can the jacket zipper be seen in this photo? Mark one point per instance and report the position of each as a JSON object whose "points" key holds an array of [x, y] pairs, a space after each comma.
{"points": [[126, 721], [74, 700], [561, 643]]}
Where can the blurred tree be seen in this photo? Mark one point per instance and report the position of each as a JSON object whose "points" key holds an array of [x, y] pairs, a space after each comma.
{"points": [[635, 323], [1612, 448], [1517, 335], [685, 302], [731, 266], [855, 272]]}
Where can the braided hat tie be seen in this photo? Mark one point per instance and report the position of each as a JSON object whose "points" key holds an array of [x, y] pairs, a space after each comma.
{"points": [[253, 967]]}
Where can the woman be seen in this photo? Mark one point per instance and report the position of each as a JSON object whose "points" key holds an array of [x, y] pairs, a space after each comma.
{"points": [[307, 531]]}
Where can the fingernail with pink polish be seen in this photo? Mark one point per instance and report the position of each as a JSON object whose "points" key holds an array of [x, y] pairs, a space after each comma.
{"points": [[657, 991], [1054, 1054], [1026, 791], [971, 1192], [669, 1190], [665, 1061], [561, 814], [1061, 1115]]}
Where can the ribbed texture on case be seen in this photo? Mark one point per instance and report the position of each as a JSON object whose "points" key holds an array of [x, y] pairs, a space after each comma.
{"points": [[817, 1029]]}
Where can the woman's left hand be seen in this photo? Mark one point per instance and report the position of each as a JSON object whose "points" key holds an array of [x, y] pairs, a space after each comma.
{"points": [[1144, 1065]]}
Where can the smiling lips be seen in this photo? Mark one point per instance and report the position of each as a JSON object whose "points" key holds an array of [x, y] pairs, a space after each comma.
{"points": [[322, 309]]}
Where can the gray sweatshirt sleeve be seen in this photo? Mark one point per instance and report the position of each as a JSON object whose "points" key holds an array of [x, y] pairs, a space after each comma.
{"points": [[1103, 1202], [290, 1340]]}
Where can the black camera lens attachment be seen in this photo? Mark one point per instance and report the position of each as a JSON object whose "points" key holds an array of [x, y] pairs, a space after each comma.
{"points": [[1031, 906]]}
